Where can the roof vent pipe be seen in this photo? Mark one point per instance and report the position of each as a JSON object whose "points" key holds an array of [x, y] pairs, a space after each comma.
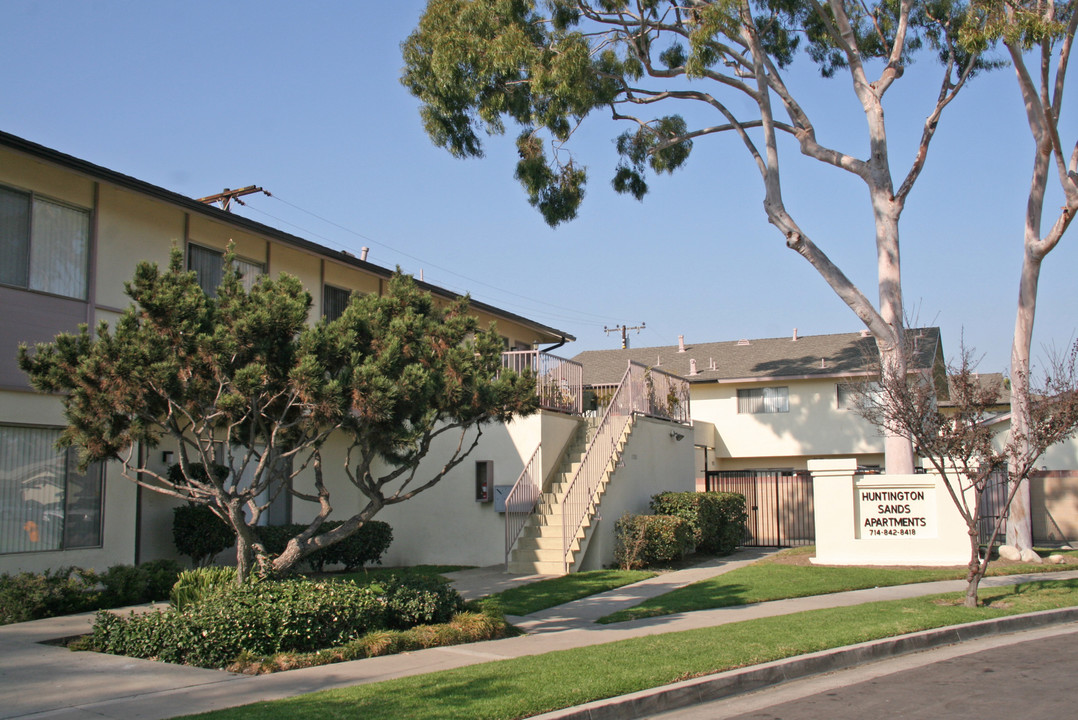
{"points": [[823, 363], [681, 343], [794, 338], [363, 253]]}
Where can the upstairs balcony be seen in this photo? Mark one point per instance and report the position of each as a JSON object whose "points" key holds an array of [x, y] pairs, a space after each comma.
{"points": [[558, 382]]}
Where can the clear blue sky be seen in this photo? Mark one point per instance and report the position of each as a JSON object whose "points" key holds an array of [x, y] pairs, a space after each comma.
{"points": [[304, 99]]}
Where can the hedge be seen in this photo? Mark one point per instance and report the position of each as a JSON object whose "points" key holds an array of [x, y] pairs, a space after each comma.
{"points": [[263, 618], [717, 519], [65, 591], [644, 540], [366, 545]]}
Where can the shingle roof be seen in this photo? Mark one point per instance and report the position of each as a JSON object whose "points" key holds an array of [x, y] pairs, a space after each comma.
{"points": [[843, 354]]}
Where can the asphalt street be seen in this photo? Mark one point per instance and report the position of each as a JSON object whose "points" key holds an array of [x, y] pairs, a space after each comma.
{"points": [[1024, 675]]}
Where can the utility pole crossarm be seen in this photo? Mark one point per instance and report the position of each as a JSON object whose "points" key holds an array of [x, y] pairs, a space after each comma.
{"points": [[624, 329], [226, 196]]}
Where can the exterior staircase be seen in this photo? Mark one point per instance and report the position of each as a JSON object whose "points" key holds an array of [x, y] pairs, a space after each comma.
{"points": [[539, 550]]}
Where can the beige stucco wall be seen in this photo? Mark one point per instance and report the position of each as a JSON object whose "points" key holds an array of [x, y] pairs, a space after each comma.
{"points": [[654, 462], [25, 173], [445, 524], [814, 427], [131, 228]]}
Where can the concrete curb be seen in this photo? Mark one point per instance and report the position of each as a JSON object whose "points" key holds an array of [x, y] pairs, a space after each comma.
{"points": [[687, 693]]}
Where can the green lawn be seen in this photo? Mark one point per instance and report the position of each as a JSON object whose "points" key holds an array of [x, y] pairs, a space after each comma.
{"points": [[533, 597], [772, 579], [536, 684]]}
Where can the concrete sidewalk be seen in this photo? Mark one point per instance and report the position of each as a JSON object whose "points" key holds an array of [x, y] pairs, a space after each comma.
{"points": [[47, 681]]}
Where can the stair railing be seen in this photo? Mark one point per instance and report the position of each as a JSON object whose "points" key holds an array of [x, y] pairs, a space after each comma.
{"points": [[521, 501], [580, 497]]}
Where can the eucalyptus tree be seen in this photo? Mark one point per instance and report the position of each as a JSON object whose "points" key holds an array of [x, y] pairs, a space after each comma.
{"points": [[653, 65], [1039, 32], [243, 384]]}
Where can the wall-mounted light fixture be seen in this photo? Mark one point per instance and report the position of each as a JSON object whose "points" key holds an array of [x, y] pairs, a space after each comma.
{"points": [[166, 457], [678, 437]]}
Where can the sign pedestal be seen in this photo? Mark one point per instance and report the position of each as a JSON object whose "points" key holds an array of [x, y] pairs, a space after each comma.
{"points": [[884, 519]]}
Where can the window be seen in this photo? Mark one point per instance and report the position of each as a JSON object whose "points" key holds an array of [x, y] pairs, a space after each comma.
{"points": [[763, 400], [45, 503], [209, 265], [334, 301], [43, 245], [848, 394]]}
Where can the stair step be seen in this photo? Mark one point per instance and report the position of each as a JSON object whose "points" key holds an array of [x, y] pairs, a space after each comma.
{"points": [[537, 568]]}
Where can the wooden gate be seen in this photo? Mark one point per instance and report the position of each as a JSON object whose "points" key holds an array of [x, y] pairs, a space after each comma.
{"points": [[779, 505]]}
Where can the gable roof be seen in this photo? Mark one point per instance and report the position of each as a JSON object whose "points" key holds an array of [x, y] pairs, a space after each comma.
{"points": [[809, 356], [98, 172]]}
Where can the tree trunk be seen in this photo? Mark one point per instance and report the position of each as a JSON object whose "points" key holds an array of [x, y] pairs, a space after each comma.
{"points": [[245, 541], [1019, 520], [894, 351], [975, 569]]}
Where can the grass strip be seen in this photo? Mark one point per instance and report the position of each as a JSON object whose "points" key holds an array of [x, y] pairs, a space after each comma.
{"points": [[770, 579], [536, 684], [533, 597]]}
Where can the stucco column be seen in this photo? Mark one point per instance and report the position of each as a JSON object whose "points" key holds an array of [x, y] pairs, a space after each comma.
{"points": [[833, 505]]}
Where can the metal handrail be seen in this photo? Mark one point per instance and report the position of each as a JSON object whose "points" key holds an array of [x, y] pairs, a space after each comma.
{"points": [[521, 501], [643, 390], [579, 500], [558, 382]]}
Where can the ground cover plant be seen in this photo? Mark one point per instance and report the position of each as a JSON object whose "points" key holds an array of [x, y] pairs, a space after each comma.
{"points": [[541, 683], [789, 574]]}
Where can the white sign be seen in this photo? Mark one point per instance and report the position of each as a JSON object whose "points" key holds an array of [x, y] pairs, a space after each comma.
{"points": [[889, 512]]}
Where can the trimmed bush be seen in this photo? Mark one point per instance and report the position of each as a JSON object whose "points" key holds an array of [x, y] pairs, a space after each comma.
{"points": [[128, 585], [366, 545], [65, 591], [31, 596], [644, 540], [717, 519], [193, 585], [261, 618], [199, 534], [420, 600]]}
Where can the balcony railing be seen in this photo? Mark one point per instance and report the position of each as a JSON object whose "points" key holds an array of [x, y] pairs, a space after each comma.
{"points": [[558, 382]]}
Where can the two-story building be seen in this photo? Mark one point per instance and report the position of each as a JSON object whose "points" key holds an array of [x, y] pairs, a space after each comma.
{"points": [[71, 234]]}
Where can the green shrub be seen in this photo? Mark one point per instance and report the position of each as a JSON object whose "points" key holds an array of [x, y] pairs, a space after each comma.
{"points": [[199, 534], [65, 591], [131, 585], [31, 596], [717, 519], [420, 600], [193, 585], [260, 618], [365, 545], [644, 540]]}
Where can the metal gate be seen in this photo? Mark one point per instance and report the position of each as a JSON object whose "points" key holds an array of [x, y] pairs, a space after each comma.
{"points": [[994, 504], [779, 505]]}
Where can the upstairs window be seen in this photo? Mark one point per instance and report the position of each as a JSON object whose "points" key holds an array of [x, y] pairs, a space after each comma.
{"points": [[334, 301], [763, 400], [209, 265], [44, 245], [849, 394]]}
